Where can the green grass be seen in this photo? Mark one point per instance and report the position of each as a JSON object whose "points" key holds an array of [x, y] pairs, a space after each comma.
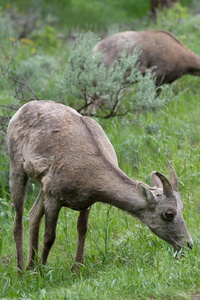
{"points": [[123, 259]]}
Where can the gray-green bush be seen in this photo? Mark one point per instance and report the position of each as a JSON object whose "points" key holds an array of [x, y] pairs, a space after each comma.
{"points": [[103, 92]]}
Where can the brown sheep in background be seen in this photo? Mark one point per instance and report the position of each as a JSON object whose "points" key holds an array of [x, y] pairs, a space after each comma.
{"points": [[160, 50]]}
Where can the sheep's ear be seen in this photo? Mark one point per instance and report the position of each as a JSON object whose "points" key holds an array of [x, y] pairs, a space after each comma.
{"points": [[155, 180], [145, 193]]}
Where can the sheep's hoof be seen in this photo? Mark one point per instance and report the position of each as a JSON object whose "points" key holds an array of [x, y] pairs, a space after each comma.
{"points": [[76, 267], [20, 273]]}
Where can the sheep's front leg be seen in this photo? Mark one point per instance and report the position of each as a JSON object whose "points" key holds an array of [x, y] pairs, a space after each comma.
{"points": [[82, 226], [18, 181], [51, 217], [35, 216]]}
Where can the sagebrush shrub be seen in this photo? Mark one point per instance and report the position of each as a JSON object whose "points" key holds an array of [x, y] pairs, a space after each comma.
{"points": [[95, 90]]}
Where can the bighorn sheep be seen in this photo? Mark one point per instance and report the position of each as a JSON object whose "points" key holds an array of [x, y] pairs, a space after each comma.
{"points": [[160, 50], [76, 166]]}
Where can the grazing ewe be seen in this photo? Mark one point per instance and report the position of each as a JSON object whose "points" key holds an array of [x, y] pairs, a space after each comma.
{"points": [[76, 166], [160, 50]]}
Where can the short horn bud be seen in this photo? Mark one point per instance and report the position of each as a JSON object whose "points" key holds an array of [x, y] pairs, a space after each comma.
{"points": [[167, 187], [173, 177]]}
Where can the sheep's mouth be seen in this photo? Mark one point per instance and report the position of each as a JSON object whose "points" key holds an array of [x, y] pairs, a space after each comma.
{"points": [[176, 245], [187, 246]]}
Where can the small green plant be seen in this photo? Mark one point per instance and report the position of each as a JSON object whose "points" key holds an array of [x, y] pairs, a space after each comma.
{"points": [[5, 24], [5, 209], [95, 90], [46, 38], [36, 71]]}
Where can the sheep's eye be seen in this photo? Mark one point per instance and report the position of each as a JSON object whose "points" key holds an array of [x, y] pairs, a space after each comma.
{"points": [[168, 215]]}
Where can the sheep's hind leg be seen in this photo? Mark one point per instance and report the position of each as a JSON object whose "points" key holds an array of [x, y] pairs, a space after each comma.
{"points": [[35, 216], [51, 217], [18, 182], [82, 226]]}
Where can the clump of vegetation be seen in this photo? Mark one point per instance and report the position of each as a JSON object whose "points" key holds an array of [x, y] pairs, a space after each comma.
{"points": [[46, 36], [94, 90]]}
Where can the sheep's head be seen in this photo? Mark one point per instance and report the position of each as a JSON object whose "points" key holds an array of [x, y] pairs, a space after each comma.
{"points": [[163, 213]]}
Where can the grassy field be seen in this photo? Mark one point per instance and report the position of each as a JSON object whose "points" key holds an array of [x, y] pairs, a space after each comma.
{"points": [[123, 259]]}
